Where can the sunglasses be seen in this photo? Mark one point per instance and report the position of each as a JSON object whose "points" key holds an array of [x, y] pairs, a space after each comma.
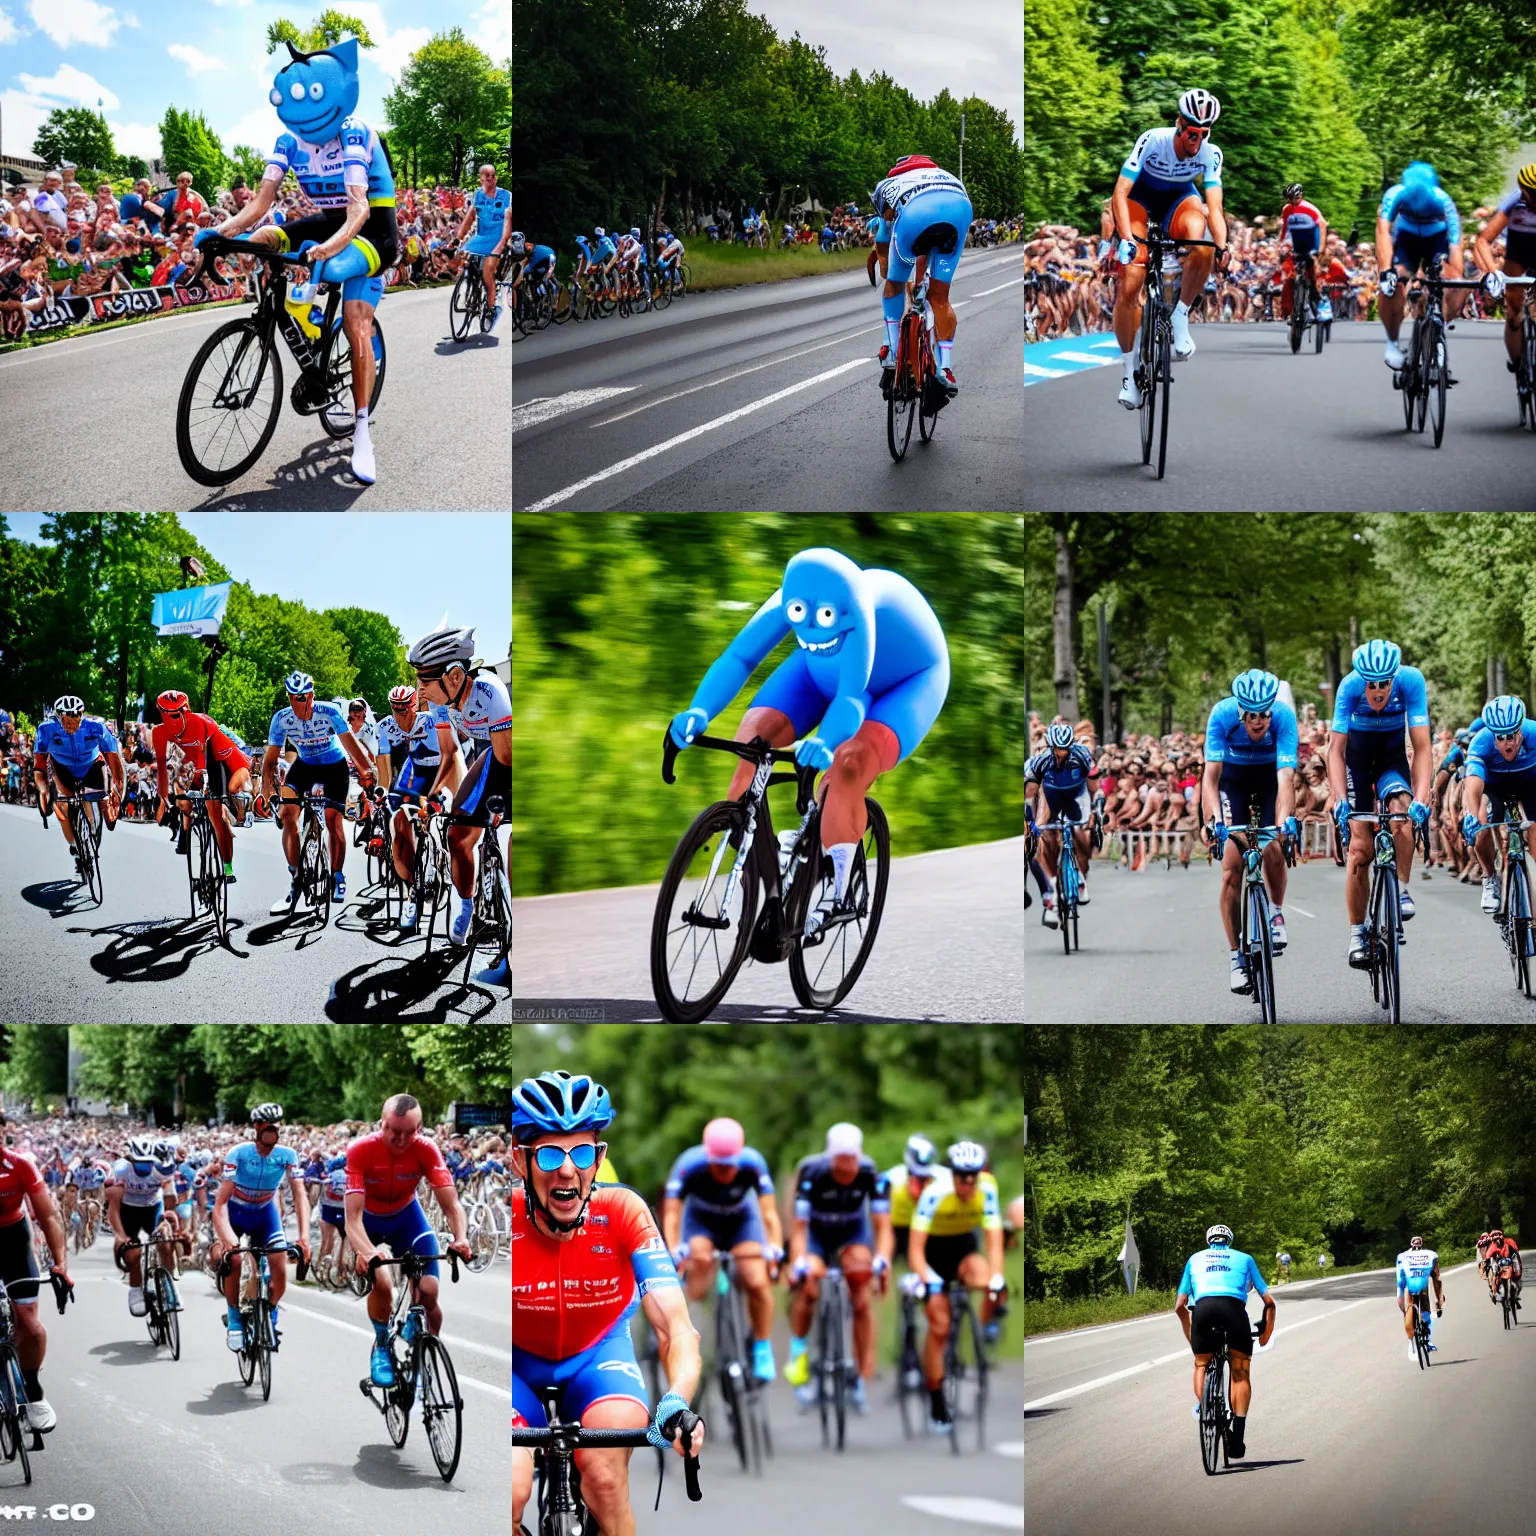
{"points": [[1506, 735], [552, 1159], [1195, 132], [1257, 714]]}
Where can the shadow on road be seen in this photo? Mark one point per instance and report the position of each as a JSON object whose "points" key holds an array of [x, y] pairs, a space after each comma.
{"points": [[157, 950], [58, 898], [645, 1011], [419, 990]]}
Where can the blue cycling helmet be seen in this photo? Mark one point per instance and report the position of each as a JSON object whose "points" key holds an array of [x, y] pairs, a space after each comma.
{"points": [[1377, 661], [1504, 714], [554, 1102], [1255, 691], [1464, 737], [335, 1164], [634, 234], [1058, 735], [1420, 173]]}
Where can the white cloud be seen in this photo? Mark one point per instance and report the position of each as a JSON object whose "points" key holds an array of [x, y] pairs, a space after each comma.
{"points": [[72, 86], [197, 62], [492, 29], [141, 139], [73, 23], [395, 49], [9, 31]]}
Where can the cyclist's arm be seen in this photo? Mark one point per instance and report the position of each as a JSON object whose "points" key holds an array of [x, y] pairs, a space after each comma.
{"points": [[1383, 244], [672, 1222], [677, 1340], [1216, 216], [114, 762], [1482, 242], [1336, 779], [1423, 762], [1120, 205], [356, 751], [269, 770], [384, 769], [1285, 794]]}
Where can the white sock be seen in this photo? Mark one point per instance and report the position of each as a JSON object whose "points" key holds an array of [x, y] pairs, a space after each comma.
{"points": [[1181, 308], [1129, 360], [841, 855]]}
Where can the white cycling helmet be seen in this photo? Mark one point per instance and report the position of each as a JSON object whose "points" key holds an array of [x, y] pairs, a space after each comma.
{"points": [[1058, 735], [1218, 1234], [69, 704], [1199, 106]]}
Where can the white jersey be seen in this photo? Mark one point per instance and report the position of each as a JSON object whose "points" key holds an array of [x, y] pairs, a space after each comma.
{"points": [[143, 1189], [1415, 1264], [895, 192], [420, 743], [486, 708], [1519, 213], [1154, 162]]}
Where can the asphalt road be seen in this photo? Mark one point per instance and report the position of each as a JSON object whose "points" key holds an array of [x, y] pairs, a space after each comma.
{"points": [[880, 1485], [139, 959], [1255, 428], [1346, 1434], [949, 948], [767, 397], [1153, 951], [113, 396], [154, 1444]]}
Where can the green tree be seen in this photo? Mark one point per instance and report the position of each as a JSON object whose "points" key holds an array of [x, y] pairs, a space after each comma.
{"points": [[78, 135]]}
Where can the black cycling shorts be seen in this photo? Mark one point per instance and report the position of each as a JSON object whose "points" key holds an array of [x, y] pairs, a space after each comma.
{"points": [[1220, 1317]]}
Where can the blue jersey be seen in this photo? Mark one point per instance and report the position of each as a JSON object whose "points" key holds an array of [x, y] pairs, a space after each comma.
{"points": [[1227, 739], [1421, 210], [491, 211], [540, 256], [690, 1180], [315, 739], [256, 1178], [78, 751], [1486, 762], [1068, 777], [1414, 1267], [604, 249], [352, 157], [1221, 1271], [334, 1190], [1406, 704]]}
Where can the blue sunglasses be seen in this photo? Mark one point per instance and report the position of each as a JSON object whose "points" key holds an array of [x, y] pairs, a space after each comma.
{"points": [[552, 1159]]}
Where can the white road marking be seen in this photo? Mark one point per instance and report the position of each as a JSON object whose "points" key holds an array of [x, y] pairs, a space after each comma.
{"points": [[685, 437], [1013, 1449], [1012, 283], [547, 407], [1002, 1517], [1046, 373], [1086, 357]]}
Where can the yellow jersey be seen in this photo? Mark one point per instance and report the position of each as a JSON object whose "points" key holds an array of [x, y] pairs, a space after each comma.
{"points": [[606, 1175], [902, 1203], [942, 1213]]}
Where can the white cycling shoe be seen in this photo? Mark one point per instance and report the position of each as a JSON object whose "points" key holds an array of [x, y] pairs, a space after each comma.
{"points": [[1405, 903], [1129, 396], [1393, 356], [1491, 896], [1278, 938], [1183, 342], [1240, 982]]}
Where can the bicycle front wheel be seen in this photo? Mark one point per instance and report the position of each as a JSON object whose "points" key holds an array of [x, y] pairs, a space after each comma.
{"points": [[1146, 356], [1517, 907], [229, 403], [1165, 375], [1438, 381], [1261, 957], [442, 1409]]}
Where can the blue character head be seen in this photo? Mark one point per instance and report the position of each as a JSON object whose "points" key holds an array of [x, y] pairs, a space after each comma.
{"points": [[1420, 174], [315, 92], [825, 604]]}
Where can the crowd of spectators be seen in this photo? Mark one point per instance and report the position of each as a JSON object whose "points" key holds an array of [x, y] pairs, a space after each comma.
{"points": [[1151, 788], [1070, 277], [60, 240]]}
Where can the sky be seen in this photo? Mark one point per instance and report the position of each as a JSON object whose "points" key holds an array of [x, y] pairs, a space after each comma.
{"points": [[198, 55], [422, 569], [974, 47]]}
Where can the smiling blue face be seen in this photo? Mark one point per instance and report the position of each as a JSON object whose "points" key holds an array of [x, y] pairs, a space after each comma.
{"points": [[314, 93], [819, 603]]}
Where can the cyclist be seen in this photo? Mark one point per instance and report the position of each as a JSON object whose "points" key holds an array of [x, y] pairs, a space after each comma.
{"points": [[863, 686], [1305, 230], [1417, 1266], [1064, 774], [490, 211], [605, 254], [943, 1251], [719, 1199], [343, 168], [588, 1256], [1250, 757], [135, 1206], [206, 746], [908, 1179], [926, 213], [1367, 761], [1501, 762], [68, 755], [365, 728], [1416, 222], [247, 1204], [669, 256], [1481, 1250], [1501, 1247], [1159, 181], [475, 703], [632, 260], [21, 1190], [540, 265], [1217, 1280], [1283, 1259], [333, 1207], [1515, 218]]}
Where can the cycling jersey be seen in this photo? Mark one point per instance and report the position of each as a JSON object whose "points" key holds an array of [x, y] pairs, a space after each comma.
{"points": [[943, 1213], [88, 1178], [141, 1189], [491, 211], [1485, 761], [78, 750], [487, 708], [1155, 164], [333, 1191], [315, 739], [352, 157], [387, 1179], [691, 1181], [903, 1202], [1406, 704], [419, 745], [821, 1198], [1068, 777], [1414, 1266], [1220, 1271], [200, 734], [1520, 214], [895, 192], [1300, 218], [257, 1178], [1421, 210], [19, 1179], [1227, 739]]}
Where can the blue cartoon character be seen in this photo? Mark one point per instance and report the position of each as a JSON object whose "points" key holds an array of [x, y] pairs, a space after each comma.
{"points": [[314, 93], [863, 686]]}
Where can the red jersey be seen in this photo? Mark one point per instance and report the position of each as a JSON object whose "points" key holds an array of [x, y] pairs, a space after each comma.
{"points": [[19, 1178], [200, 734], [1299, 217], [387, 1180], [566, 1296]]}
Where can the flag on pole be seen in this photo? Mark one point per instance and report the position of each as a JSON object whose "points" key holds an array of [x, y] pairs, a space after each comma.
{"points": [[1130, 1258]]}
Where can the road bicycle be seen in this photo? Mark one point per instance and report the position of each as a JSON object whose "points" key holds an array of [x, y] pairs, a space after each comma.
{"points": [[966, 1366], [1525, 368], [233, 391], [672, 279], [833, 1371], [1420, 1305], [1154, 345], [1304, 307], [1514, 917], [1255, 939], [161, 1306], [742, 1395], [312, 883], [258, 1324], [561, 1511], [732, 889], [207, 885], [490, 926], [911, 1390], [912, 389], [423, 1367], [1506, 1292], [1383, 911], [85, 828], [1425, 377], [18, 1437], [1216, 1407], [1069, 882]]}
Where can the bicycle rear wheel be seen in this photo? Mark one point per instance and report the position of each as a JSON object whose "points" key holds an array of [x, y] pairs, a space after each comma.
{"points": [[1212, 1416], [1298, 322]]}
